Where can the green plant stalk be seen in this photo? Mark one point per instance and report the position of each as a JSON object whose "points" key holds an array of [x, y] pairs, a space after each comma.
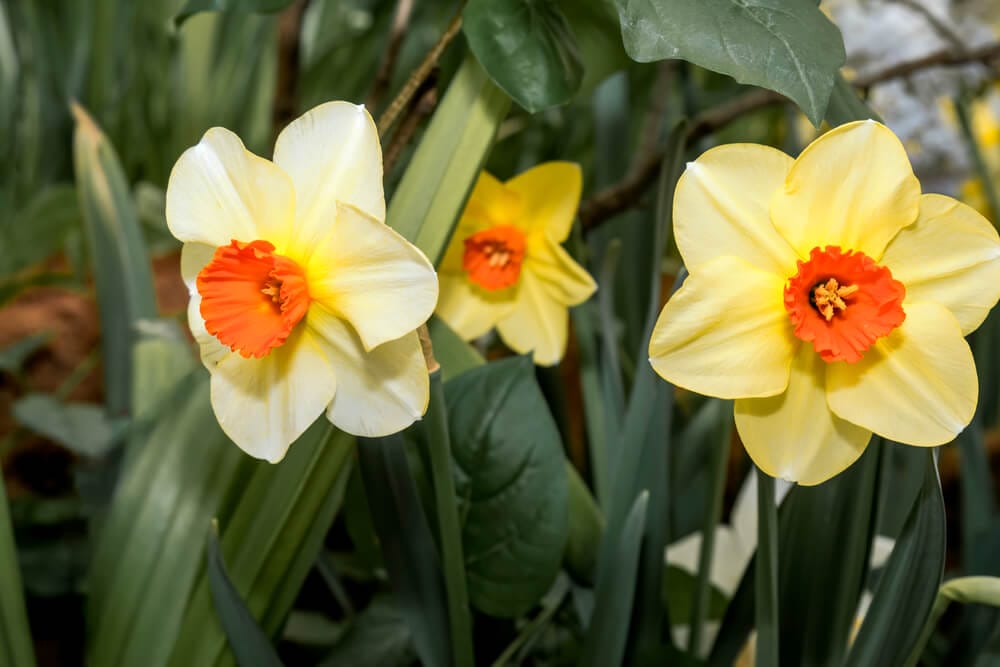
{"points": [[15, 635], [965, 123], [438, 443], [699, 605], [766, 574]]}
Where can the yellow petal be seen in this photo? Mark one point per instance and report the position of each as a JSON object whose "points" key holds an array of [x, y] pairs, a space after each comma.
{"points": [[371, 276], [725, 332], [332, 153], [950, 256], [917, 385], [722, 207], [564, 279], [470, 310], [551, 281], [378, 392], [794, 435], [264, 404], [219, 191], [853, 187], [490, 204], [550, 196]]}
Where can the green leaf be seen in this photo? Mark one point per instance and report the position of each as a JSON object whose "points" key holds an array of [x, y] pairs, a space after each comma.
{"points": [[965, 590], [83, 428], [766, 603], [249, 643], [511, 481], [378, 637], [586, 525], [609, 625], [909, 581], [528, 49], [39, 230], [256, 6], [825, 528], [595, 25], [679, 589], [846, 105], [13, 356], [454, 354], [432, 193], [410, 555], [121, 267], [790, 46], [15, 635]]}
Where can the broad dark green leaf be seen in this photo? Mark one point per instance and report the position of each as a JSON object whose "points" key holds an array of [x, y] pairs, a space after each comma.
{"points": [[789, 46], [528, 49], [678, 590], [118, 256], [511, 483], [256, 6], [378, 637], [408, 548], [846, 105], [609, 626], [83, 428], [826, 528], [249, 644], [909, 584]]}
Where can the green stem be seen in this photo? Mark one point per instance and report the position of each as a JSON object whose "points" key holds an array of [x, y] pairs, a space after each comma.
{"points": [[438, 444], [15, 635], [766, 573], [713, 514], [965, 122]]}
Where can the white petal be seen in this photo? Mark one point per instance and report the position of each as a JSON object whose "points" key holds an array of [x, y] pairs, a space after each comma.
{"points": [[264, 404], [379, 392], [332, 153], [219, 191], [371, 276]]}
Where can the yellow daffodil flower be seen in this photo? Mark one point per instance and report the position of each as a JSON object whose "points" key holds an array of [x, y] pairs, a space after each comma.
{"points": [[505, 266], [302, 299], [829, 297]]}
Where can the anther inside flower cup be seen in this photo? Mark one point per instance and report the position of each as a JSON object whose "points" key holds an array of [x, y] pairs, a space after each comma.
{"points": [[828, 297]]}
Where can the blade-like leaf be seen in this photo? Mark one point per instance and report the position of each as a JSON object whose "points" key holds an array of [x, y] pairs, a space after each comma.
{"points": [[766, 607], [117, 253], [528, 49], [257, 6], [511, 483], [609, 625], [430, 197], [788, 46], [15, 635], [408, 548], [81, 427], [910, 581], [248, 642]]}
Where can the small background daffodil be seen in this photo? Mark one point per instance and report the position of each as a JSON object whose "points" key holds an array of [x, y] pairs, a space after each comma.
{"points": [[505, 266], [829, 297], [302, 299]]}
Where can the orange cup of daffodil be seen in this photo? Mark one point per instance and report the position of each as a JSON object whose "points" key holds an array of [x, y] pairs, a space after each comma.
{"points": [[829, 297], [302, 299], [505, 266]]}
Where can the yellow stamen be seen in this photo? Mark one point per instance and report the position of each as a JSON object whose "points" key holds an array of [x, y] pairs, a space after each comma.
{"points": [[829, 297]]}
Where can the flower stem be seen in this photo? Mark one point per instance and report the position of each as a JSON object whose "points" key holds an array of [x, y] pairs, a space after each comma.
{"points": [[766, 573], [713, 513], [438, 443]]}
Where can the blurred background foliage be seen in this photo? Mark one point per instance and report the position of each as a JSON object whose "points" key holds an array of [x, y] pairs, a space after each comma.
{"points": [[115, 467]]}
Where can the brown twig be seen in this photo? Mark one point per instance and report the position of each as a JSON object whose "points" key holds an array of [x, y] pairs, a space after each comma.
{"points": [[286, 92], [426, 100], [626, 193], [400, 22], [402, 100]]}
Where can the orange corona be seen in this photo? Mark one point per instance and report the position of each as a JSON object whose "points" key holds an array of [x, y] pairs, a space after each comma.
{"points": [[251, 297], [842, 302], [493, 257]]}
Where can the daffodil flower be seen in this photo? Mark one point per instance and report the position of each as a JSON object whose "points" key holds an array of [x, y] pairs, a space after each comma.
{"points": [[829, 297], [302, 299], [505, 266]]}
